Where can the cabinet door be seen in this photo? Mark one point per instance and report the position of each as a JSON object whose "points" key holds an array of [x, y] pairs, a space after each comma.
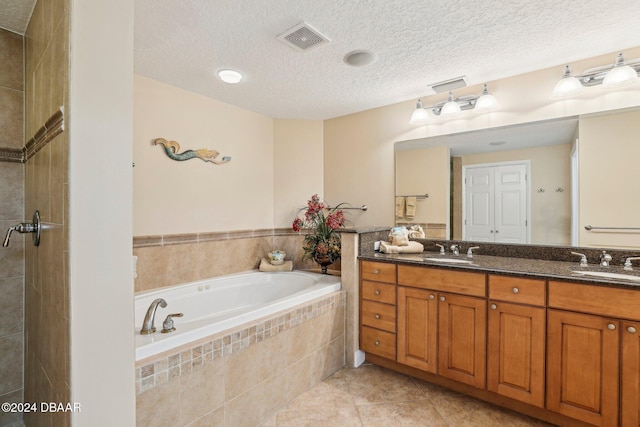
{"points": [[462, 338], [515, 351], [630, 378], [417, 328], [583, 367]]}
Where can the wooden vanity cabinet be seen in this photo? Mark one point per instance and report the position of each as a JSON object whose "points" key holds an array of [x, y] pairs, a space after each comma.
{"points": [[516, 338], [593, 360], [439, 330], [378, 308]]}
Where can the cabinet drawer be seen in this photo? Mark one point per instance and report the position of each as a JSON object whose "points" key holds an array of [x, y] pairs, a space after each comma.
{"points": [[603, 300], [517, 289], [381, 292], [377, 315], [378, 342], [459, 282], [378, 271]]}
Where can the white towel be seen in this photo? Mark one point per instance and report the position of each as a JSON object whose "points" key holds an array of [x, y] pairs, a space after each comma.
{"points": [[399, 207], [411, 207], [411, 248]]}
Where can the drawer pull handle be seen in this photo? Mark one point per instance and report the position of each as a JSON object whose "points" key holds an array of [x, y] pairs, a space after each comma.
{"points": [[377, 343], [376, 292], [493, 306], [377, 316], [376, 271], [631, 330], [431, 296], [515, 290], [611, 326], [442, 299]]}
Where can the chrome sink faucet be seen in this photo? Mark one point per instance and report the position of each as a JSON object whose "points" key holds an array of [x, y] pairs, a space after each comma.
{"points": [[605, 259], [583, 259], [441, 248], [147, 324], [470, 251], [627, 264], [455, 249]]}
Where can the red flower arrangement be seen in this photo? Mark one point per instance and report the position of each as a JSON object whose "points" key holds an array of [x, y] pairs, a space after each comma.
{"points": [[321, 243]]}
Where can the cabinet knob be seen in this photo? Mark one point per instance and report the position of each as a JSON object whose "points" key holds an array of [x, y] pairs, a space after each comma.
{"points": [[376, 271], [611, 327], [493, 306], [431, 296], [631, 330], [376, 343], [515, 290], [376, 292], [377, 316], [442, 299]]}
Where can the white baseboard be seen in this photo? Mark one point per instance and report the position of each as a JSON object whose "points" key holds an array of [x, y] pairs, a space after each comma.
{"points": [[358, 358]]}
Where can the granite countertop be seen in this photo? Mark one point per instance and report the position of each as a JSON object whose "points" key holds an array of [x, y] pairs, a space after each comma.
{"points": [[533, 268]]}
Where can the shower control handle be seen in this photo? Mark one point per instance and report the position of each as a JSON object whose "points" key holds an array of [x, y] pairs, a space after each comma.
{"points": [[26, 227]]}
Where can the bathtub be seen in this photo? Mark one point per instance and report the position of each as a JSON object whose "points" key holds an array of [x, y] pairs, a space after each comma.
{"points": [[222, 303]]}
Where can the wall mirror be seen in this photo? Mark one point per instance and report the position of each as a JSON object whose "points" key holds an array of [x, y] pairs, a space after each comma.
{"points": [[537, 183]]}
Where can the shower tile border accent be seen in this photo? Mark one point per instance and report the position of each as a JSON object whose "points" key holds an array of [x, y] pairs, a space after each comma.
{"points": [[177, 239], [53, 127], [159, 371]]}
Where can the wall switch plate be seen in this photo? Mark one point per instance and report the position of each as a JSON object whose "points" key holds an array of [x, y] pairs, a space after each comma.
{"points": [[376, 245]]}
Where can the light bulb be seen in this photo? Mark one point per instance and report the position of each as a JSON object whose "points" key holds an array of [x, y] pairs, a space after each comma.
{"points": [[620, 75], [567, 85], [451, 107], [230, 76], [486, 101], [420, 115]]}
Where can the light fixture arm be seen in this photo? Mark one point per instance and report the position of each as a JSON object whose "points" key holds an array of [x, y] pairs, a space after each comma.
{"points": [[595, 76]]}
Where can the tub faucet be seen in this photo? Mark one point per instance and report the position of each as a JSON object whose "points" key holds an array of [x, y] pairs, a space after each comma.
{"points": [[147, 324]]}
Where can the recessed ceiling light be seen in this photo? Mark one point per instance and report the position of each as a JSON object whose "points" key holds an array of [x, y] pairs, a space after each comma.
{"points": [[230, 76], [360, 58]]}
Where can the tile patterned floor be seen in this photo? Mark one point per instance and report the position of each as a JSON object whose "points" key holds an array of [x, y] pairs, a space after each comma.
{"points": [[371, 396]]}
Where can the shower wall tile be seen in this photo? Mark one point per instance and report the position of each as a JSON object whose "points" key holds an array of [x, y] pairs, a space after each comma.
{"points": [[11, 60], [11, 305], [11, 191], [11, 115], [11, 257], [11, 363], [9, 418]]}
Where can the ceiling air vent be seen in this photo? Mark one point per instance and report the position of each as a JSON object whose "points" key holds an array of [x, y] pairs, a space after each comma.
{"points": [[303, 37], [449, 85]]}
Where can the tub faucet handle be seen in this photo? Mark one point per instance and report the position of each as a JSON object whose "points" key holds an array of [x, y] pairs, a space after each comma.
{"points": [[167, 325], [147, 323]]}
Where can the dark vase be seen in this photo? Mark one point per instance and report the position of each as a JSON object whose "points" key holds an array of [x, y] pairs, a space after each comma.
{"points": [[324, 262]]}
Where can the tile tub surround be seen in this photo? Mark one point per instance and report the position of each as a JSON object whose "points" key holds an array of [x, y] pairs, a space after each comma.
{"points": [[174, 259], [241, 377]]}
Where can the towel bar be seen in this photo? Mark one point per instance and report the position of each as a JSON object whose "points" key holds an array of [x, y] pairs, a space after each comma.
{"points": [[589, 228]]}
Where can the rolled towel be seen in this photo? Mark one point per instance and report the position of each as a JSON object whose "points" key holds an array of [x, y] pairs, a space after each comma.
{"points": [[399, 236], [411, 248], [265, 265], [399, 207], [411, 207], [416, 232]]}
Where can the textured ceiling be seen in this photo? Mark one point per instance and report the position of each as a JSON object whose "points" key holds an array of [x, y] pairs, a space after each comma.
{"points": [[183, 43]]}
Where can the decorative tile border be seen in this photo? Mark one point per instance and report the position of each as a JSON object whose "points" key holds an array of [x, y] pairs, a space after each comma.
{"points": [[13, 155], [176, 239], [53, 127], [160, 371]]}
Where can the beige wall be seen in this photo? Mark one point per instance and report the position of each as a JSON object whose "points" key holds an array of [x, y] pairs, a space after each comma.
{"points": [[297, 166], [11, 213], [359, 164], [172, 197], [550, 170], [100, 284], [609, 151], [425, 171]]}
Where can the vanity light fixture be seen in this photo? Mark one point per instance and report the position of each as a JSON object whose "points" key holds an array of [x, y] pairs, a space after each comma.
{"points": [[230, 76], [453, 106], [621, 73]]}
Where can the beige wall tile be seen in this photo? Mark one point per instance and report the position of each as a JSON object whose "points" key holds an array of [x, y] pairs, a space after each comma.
{"points": [[11, 191], [201, 391], [7, 418], [11, 118], [214, 418], [158, 406], [11, 363], [257, 404], [11, 56], [11, 257], [11, 306]]}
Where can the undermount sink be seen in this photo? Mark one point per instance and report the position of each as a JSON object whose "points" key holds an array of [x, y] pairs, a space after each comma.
{"points": [[449, 260], [609, 275]]}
